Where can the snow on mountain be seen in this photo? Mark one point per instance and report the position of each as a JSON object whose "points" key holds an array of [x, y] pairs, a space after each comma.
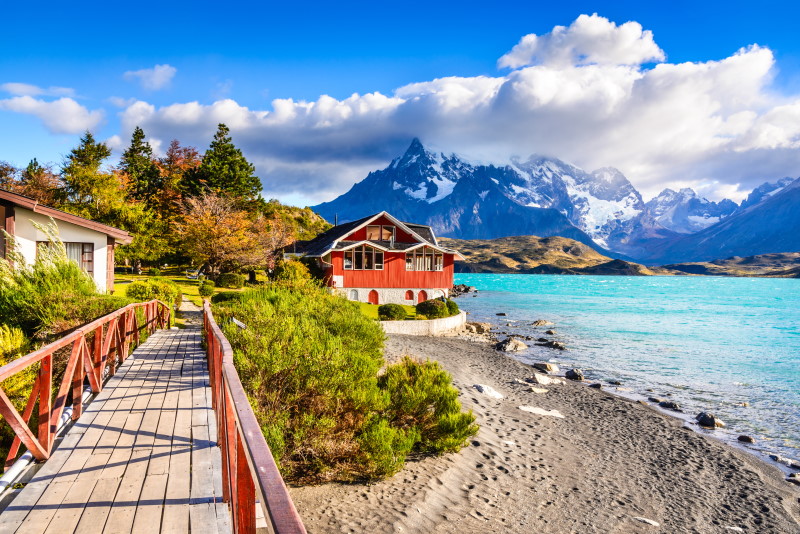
{"points": [[764, 191], [685, 212]]}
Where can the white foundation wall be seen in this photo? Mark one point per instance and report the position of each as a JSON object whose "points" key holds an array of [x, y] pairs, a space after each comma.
{"points": [[390, 295], [26, 235]]}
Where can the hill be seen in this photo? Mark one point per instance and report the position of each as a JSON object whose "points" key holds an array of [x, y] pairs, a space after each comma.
{"points": [[785, 264], [524, 254]]}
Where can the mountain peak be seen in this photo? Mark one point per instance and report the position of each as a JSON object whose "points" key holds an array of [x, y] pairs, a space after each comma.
{"points": [[415, 147]]}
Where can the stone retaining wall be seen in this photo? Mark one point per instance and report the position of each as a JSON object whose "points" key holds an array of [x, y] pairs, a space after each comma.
{"points": [[429, 327]]}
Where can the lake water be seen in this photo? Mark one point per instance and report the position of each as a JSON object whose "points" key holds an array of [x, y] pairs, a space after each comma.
{"points": [[709, 343]]}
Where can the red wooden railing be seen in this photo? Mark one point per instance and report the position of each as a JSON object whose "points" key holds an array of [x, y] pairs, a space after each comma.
{"points": [[247, 464], [112, 337]]}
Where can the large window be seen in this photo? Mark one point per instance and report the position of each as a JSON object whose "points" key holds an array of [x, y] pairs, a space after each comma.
{"points": [[424, 259], [363, 258], [80, 253], [380, 233]]}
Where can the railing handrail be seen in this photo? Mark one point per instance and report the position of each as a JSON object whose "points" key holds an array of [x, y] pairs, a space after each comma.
{"points": [[241, 435], [112, 334], [13, 367]]}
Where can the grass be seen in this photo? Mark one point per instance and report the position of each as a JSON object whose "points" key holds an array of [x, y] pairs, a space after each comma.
{"points": [[371, 310]]}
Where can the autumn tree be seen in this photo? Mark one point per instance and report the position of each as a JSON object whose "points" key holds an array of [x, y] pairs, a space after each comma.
{"points": [[41, 183], [225, 171], [217, 232], [144, 176], [8, 175]]}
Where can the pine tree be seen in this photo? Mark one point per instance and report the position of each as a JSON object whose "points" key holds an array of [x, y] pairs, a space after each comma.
{"points": [[87, 188], [143, 173], [225, 171]]}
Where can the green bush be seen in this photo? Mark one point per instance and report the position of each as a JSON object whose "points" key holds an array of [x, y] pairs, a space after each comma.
{"points": [[154, 271], [423, 400], [452, 307], [162, 289], [224, 296], [206, 288], [231, 280], [291, 271], [432, 309], [309, 361], [391, 312]]}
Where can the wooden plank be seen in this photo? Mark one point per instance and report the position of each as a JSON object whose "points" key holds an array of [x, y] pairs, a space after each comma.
{"points": [[223, 518], [16, 512], [124, 506], [46, 507], [203, 518], [69, 513], [151, 505], [98, 507]]}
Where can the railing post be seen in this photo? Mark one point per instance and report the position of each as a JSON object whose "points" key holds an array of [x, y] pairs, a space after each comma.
{"points": [[77, 377], [246, 493], [45, 403], [97, 356]]}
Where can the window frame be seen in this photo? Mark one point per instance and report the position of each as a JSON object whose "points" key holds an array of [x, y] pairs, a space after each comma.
{"points": [[362, 256]]}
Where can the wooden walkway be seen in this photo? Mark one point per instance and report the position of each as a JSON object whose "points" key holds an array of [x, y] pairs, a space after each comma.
{"points": [[143, 456]]}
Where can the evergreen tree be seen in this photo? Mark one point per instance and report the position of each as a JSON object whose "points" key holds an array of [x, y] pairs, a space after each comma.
{"points": [[225, 171], [143, 173], [86, 186]]}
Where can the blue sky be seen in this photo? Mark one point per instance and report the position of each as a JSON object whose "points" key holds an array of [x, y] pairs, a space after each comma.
{"points": [[251, 54]]}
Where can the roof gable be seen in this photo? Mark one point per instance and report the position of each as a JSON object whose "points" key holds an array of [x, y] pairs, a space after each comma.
{"points": [[28, 203]]}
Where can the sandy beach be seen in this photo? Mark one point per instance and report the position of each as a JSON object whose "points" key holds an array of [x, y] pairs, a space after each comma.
{"points": [[610, 465]]}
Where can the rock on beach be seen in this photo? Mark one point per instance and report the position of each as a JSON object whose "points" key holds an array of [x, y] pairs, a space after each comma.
{"points": [[574, 374], [511, 344], [708, 420], [546, 367]]}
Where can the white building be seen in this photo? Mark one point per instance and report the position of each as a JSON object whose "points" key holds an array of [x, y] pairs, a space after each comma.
{"points": [[89, 243]]}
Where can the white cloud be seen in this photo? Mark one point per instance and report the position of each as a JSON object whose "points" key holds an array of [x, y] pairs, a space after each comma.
{"points": [[26, 89], [153, 79], [591, 39], [62, 116], [587, 99]]}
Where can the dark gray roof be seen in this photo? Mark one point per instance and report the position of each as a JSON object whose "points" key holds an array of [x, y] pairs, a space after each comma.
{"points": [[424, 231]]}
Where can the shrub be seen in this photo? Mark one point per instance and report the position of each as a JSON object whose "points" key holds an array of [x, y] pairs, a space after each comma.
{"points": [[164, 290], [452, 307], [154, 271], [291, 271], [225, 296], [201, 278], [423, 400], [309, 362], [206, 288], [432, 309], [391, 312], [231, 280]]}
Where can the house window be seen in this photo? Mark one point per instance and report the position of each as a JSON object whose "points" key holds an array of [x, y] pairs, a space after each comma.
{"points": [[363, 258], [353, 294], [80, 253], [409, 295], [380, 233], [424, 259]]}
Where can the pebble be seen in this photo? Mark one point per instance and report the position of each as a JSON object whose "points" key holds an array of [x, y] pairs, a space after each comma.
{"points": [[735, 529], [648, 521], [541, 411], [538, 390], [488, 391]]}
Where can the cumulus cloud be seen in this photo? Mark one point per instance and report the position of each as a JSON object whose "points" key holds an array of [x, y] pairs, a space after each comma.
{"points": [[62, 116], [591, 39], [586, 94], [26, 89], [153, 79]]}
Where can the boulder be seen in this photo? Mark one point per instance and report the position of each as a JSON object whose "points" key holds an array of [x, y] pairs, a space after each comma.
{"points": [[511, 345], [708, 420], [574, 374], [546, 367], [553, 345], [488, 391], [615, 382], [596, 385], [670, 405], [655, 399], [470, 328], [793, 480], [550, 332], [542, 322], [746, 439], [542, 380], [794, 464], [542, 340], [501, 314]]}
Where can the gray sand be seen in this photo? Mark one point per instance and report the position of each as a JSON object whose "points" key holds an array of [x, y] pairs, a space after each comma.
{"points": [[608, 462]]}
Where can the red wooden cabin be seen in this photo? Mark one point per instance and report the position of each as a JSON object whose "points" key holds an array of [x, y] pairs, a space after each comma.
{"points": [[379, 259]]}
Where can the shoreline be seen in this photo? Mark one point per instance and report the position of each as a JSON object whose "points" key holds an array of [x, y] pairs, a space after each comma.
{"points": [[609, 461]]}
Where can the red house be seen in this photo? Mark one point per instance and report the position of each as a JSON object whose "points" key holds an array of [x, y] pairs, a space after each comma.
{"points": [[379, 259]]}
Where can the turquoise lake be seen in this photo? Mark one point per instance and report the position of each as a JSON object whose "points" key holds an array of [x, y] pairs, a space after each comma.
{"points": [[709, 343]]}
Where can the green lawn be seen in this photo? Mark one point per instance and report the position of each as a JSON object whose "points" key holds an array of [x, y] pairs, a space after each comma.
{"points": [[371, 310]]}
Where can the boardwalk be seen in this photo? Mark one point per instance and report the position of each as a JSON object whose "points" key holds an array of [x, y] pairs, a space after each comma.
{"points": [[142, 457]]}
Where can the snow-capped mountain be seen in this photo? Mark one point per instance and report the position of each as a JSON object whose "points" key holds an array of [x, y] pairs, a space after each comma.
{"points": [[684, 212], [764, 191], [539, 196]]}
